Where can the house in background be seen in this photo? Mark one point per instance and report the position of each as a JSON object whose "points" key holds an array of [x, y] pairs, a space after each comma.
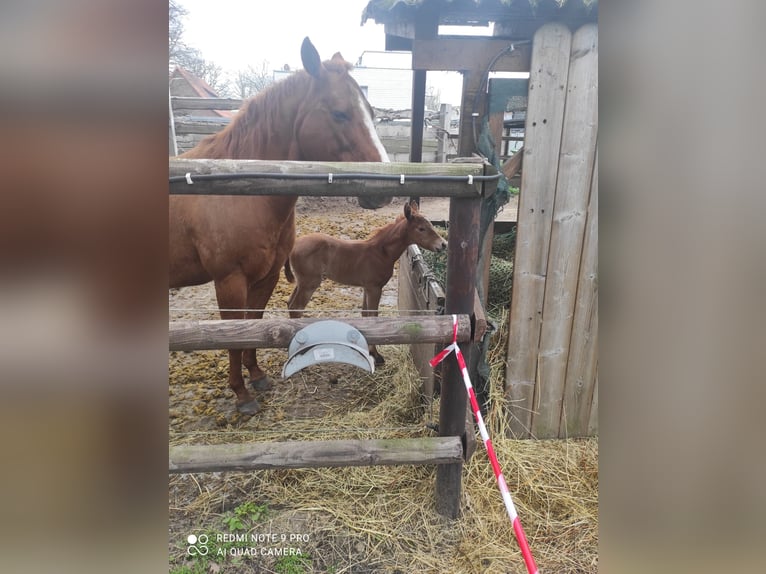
{"points": [[186, 85], [190, 126], [385, 78]]}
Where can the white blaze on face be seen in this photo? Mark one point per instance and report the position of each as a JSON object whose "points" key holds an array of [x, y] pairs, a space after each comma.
{"points": [[370, 125]]}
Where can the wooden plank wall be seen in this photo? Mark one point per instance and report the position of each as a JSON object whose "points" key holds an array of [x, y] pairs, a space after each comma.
{"points": [[552, 353]]}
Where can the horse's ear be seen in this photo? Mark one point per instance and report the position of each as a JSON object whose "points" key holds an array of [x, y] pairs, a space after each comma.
{"points": [[310, 58], [407, 211], [336, 57]]}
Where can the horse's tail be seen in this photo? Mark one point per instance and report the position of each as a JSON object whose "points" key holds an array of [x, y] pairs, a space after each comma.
{"points": [[289, 272]]}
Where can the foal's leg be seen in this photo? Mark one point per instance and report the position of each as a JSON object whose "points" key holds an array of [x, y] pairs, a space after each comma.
{"points": [[370, 305], [231, 293], [258, 296], [301, 295]]}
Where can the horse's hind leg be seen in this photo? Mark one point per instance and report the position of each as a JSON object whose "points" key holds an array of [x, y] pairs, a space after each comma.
{"points": [[301, 295], [257, 298], [370, 304], [231, 293]]}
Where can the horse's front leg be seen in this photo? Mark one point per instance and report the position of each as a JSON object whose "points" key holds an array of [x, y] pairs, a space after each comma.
{"points": [[231, 293], [370, 304], [258, 296]]}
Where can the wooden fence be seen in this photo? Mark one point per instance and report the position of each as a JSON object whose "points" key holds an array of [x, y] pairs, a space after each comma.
{"points": [[188, 129], [551, 377], [551, 372], [465, 192]]}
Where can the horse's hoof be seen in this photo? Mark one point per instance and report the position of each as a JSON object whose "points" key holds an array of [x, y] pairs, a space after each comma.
{"points": [[379, 360], [249, 408], [263, 384]]}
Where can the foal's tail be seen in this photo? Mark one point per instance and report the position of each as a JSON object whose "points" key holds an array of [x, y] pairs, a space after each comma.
{"points": [[289, 272]]}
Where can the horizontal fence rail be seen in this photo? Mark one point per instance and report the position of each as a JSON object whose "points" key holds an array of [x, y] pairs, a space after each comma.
{"points": [[186, 103], [277, 333], [341, 179], [314, 454]]}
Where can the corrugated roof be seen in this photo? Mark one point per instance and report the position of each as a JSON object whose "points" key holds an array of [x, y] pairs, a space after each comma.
{"points": [[468, 11]]}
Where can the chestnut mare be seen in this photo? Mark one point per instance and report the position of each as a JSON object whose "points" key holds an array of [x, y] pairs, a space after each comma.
{"points": [[242, 242], [368, 264]]}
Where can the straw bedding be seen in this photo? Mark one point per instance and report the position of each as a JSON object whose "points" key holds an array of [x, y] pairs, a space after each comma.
{"points": [[366, 519]]}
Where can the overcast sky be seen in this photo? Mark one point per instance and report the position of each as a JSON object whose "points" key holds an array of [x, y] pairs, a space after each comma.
{"points": [[236, 33]]}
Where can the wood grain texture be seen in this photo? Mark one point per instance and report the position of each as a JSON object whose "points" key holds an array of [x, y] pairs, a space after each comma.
{"points": [[314, 454], [321, 187], [187, 103], [545, 117], [463, 54], [575, 174], [277, 333], [419, 292], [583, 347], [462, 259]]}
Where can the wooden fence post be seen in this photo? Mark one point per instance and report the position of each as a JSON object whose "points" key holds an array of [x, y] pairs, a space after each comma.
{"points": [[462, 258]]}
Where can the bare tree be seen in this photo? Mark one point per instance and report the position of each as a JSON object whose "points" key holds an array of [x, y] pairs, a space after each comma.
{"points": [[251, 81], [433, 97], [182, 55]]}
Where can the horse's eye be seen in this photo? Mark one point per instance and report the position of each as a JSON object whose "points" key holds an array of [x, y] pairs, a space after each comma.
{"points": [[421, 229], [340, 116]]}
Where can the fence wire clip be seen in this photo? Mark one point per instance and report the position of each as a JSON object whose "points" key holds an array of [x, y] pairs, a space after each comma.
{"points": [[401, 179], [329, 178], [188, 178]]}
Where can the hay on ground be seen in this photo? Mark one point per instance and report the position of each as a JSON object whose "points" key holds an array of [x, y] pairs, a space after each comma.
{"points": [[372, 519]]}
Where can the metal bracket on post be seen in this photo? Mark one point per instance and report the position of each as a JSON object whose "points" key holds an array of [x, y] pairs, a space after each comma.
{"points": [[327, 342]]}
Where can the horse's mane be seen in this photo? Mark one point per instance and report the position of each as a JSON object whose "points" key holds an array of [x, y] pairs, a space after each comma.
{"points": [[240, 139], [385, 229]]}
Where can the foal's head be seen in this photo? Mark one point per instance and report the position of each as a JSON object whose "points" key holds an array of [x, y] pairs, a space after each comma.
{"points": [[420, 231]]}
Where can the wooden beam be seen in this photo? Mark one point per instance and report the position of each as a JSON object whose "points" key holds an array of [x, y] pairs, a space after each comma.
{"points": [[511, 167], [472, 82], [184, 126], [277, 333], [314, 454], [182, 103], [463, 251], [418, 115], [468, 53], [320, 187]]}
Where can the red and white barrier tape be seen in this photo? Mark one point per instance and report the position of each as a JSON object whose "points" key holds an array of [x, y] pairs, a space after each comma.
{"points": [[517, 529]]}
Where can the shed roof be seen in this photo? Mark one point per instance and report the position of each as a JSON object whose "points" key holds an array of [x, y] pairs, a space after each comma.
{"points": [[457, 12], [198, 87]]}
